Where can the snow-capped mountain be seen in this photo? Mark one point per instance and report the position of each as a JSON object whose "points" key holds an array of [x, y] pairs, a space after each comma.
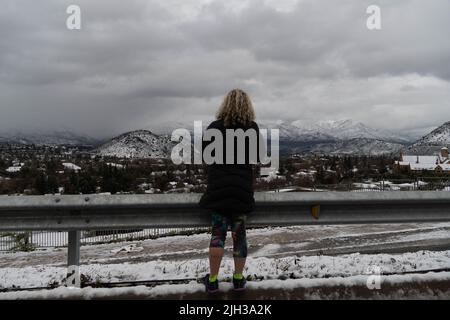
{"points": [[438, 137], [50, 138], [432, 142], [359, 146], [356, 146], [336, 137], [300, 136], [326, 136], [325, 130], [332, 130], [137, 144]]}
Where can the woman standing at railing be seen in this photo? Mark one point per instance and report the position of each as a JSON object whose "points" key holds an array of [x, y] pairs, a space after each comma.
{"points": [[229, 195]]}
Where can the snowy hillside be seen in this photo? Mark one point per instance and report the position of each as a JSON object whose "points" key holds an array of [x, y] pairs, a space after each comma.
{"points": [[307, 130], [432, 142], [337, 137], [300, 136], [137, 144], [332, 130], [438, 137], [327, 136]]}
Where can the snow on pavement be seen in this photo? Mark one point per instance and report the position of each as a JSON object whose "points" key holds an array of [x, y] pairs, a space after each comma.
{"points": [[269, 268], [273, 252], [302, 240], [162, 291]]}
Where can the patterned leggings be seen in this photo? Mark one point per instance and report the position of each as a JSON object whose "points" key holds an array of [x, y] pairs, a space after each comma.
{"points": [[220, 225]]}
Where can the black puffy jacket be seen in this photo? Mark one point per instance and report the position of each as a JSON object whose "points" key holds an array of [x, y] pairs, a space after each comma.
{"points": [[230, 186]]}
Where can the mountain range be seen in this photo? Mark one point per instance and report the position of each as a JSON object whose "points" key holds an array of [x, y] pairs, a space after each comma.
{"points": [[307, 130], [320, 137], [432, 142], [328, 137], [336, 137]]}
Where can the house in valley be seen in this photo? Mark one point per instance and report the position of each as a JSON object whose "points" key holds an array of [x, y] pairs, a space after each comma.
{"points": [[438, 163]]}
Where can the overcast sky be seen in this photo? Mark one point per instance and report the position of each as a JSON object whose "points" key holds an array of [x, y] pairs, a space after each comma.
{"points": [[139, 62]]}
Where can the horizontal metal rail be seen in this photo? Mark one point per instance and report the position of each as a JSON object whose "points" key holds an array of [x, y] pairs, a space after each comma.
{"points": [[97, 212]]}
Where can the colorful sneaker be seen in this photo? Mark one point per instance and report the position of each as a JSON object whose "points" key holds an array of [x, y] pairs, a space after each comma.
{"points": [[211, 287], [239, 284]]}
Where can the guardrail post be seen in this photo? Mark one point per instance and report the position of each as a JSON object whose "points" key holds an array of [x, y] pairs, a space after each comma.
{"points": [[73, 261]]}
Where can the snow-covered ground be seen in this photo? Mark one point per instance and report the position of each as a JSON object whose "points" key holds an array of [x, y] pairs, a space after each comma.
{"points": [[307, 253], [338, 288], [269, 268]]}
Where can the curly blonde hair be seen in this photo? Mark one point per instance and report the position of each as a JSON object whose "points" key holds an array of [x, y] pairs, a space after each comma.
{"points": [[236, 108]]}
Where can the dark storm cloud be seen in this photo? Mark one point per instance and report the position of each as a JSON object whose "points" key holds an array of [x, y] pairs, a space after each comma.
{"points": [[139, 62]]}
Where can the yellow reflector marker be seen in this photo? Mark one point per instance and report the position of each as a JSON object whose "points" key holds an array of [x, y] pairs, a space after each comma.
{"points": [[315, 211]]}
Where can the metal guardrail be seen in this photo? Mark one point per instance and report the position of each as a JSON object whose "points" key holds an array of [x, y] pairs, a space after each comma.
{"points": [[36, 240], [96, 212]]}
